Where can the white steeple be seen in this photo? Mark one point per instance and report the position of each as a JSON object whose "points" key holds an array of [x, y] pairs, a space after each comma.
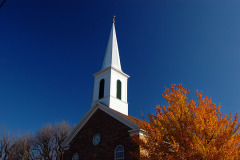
{"points": [[112, 54], [110, 85]]}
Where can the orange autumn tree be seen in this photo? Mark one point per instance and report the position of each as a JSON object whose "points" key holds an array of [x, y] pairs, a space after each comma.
{"points": [[188, 129]]}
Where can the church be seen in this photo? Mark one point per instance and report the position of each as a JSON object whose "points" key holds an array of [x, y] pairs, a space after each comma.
{"points": [[104, 133]]}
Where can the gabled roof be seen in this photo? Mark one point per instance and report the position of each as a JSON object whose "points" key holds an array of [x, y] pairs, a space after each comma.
{"points": [[131, 118], [112, 53], [129, 121]]}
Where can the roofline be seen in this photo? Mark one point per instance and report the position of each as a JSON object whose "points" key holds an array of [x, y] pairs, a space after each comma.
{"points": [[79, 126], [89, 114], [110, 67]]}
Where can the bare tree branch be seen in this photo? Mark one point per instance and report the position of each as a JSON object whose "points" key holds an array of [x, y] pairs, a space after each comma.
{"points": [[2, 3]]}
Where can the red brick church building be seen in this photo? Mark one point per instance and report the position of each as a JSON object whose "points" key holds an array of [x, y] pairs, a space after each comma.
{"points": [[104, 133]]}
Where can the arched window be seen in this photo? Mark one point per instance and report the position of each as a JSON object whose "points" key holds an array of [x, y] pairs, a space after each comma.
{"points": [[101, 89], [119, 153], [119, 89]]}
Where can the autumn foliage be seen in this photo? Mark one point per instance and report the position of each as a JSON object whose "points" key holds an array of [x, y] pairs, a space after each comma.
{"points": [[189, 129]]}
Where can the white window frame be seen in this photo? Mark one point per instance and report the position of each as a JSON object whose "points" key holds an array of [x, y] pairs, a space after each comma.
{"points": [[115, 153]]}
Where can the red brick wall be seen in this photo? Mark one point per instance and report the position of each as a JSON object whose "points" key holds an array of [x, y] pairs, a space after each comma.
{"points": [[113, 133]]}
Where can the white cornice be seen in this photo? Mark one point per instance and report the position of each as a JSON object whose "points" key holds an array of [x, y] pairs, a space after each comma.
{"points": [[108, 68]]}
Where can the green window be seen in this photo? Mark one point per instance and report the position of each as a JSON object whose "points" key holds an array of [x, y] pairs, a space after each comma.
{"points": [[119, 89], [101, 89]]}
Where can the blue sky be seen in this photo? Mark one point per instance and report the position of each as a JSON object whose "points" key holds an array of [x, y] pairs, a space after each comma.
{"points": [[49, 51]]}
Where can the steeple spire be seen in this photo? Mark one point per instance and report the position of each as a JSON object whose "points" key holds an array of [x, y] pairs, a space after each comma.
{"points": [[110, 85], [112, 54]]}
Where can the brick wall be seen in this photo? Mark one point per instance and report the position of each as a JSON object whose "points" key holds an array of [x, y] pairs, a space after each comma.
{"points": [[113, 133]]}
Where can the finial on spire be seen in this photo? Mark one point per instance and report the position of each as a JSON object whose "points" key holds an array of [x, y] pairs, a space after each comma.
{"points": [[114, 19]]}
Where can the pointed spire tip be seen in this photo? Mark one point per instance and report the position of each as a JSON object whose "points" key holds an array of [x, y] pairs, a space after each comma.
{"points": [[112, 53]]}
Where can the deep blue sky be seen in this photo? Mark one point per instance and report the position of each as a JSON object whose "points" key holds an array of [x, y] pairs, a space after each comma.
{"points": [[50, 49]]}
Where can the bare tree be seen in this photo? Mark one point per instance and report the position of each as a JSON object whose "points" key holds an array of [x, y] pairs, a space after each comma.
{"points": [[61, 130], [43, 142], [4, 144], [22, 147], [48, 139], [15, 147], [44, 145]]}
